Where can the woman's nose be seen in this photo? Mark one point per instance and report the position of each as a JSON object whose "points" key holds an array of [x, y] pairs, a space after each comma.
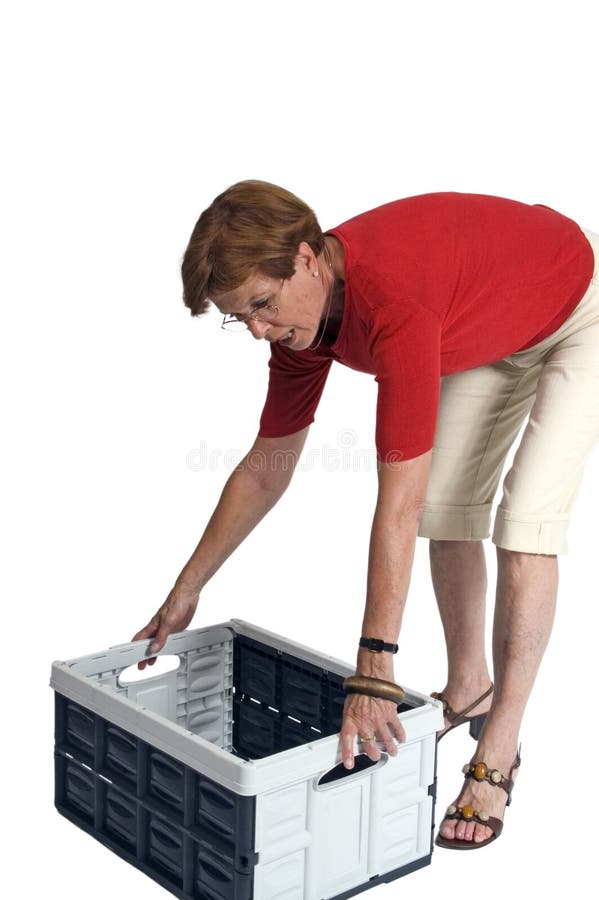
{"points": [[258, 328]]}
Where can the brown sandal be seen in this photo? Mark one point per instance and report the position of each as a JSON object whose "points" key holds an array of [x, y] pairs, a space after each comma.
{"points": [[480, 772], [455, 719]]}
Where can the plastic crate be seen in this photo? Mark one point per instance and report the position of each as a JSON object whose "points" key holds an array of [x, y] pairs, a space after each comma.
{"points": [[222, 779]]}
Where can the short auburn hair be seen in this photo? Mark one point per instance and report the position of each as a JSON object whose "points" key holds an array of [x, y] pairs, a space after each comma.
{"points": [[251, 228]]}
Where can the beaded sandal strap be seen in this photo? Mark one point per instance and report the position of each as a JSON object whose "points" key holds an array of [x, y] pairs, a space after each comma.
{"points": [[481, 772]]}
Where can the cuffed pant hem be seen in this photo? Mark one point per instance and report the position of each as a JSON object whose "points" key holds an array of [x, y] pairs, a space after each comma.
{"points": [[455, 523], [530, 534]]}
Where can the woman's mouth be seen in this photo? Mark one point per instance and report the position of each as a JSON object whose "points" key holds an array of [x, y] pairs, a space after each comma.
{"points": [[289, 338]]}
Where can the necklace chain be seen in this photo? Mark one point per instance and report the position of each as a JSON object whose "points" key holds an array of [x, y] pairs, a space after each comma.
{"points": [[330, 303]]}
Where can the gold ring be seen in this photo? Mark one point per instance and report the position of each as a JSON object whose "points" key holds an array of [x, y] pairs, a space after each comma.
{"points": [[365, 740]]}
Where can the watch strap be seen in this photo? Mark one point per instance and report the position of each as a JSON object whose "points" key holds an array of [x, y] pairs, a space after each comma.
{"points": [[376, 645]]}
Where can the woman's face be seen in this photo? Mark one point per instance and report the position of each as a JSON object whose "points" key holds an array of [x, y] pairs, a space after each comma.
{"points": [[301, 302]]}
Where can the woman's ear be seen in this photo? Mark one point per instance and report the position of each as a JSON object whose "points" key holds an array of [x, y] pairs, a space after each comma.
{"points": [[305, 259]]}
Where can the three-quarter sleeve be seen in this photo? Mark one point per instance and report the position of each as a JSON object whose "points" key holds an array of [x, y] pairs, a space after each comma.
{"points": [[295, 384]]}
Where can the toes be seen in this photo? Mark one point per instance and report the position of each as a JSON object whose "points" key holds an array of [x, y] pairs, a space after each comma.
{"points": [[460, 831], [481, 833], [447, 829], [464, 831], [469, 831]]}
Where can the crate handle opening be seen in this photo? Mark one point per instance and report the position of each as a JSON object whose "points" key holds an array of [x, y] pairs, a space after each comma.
{"points": [[362, 763], [163, 665]]}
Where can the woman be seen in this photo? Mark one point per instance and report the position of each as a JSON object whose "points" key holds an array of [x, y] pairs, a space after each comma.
{"points": [[472, 312]]}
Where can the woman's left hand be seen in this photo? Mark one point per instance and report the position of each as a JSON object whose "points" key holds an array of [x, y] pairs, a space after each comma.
{"points": [[369, 717]]}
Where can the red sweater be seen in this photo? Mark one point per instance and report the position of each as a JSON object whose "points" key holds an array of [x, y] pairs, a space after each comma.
{"points": [[434, 284]]}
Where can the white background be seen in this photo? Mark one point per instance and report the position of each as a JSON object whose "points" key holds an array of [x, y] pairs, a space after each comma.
{"points": [[122, 121]]}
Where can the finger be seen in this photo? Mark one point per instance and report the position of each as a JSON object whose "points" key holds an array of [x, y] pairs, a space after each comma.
{"points": [[142, 635], [390, 725], [370, 749], [353, 726], [160, 639], [357, 721], [398, 729], [156, 645], [386, 738], [348, 740], [368, 729], [146, 662]]}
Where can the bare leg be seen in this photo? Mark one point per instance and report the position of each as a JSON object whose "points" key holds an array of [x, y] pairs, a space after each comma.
{"points": [[524, 612], [459, 578]]}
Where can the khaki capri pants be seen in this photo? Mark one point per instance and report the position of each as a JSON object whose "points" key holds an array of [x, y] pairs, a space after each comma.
{"points": [[555, 383]]}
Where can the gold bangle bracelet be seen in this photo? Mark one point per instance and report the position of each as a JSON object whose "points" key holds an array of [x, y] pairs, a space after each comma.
{"points": [[374, 687]]}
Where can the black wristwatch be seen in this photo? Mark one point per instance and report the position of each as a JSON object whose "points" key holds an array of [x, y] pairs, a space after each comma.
{"points": [[377, 645]]}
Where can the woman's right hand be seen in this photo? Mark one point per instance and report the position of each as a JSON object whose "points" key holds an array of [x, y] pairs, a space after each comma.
{"points": [[175, 614]]}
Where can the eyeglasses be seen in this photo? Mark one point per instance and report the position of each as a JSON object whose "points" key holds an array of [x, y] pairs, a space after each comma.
{"points": [[267, 312], [237, 322]]}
